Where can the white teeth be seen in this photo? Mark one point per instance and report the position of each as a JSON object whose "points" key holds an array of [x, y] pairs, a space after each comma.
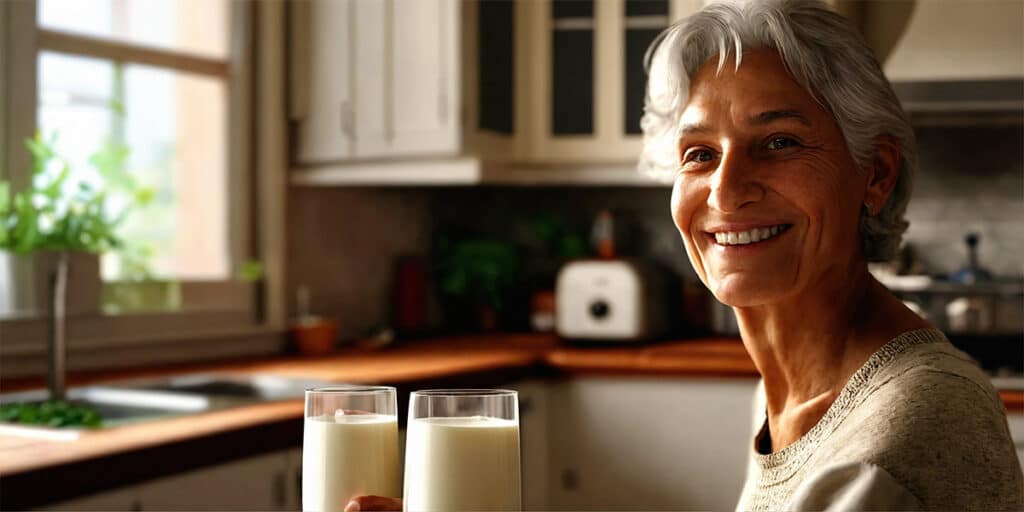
{"points": [[747, 237]]}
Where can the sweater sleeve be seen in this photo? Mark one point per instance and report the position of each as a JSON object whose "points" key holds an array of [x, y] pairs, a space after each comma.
{"points": [[853, 486]]}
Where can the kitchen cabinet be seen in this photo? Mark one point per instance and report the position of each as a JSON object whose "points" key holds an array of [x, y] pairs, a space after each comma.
{"points": [[533, 442], [254, 483], [263, 482], [620, 443], [118, 499], [374, 80], [1016, 422], [570, 87]]}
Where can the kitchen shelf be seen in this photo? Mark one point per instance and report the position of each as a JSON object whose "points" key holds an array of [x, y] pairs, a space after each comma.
{"points": [[470, 171]]}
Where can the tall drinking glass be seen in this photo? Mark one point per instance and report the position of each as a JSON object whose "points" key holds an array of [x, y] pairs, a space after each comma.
{"points": [[349, 446], [462, 451]]}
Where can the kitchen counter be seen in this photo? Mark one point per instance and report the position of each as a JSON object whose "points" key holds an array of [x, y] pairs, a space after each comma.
{"points": [[107, 458]]}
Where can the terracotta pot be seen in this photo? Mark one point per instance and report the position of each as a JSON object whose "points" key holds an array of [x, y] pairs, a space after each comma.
{"points": [[315, 336]]}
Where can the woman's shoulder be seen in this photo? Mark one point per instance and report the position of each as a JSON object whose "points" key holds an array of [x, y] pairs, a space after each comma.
{"points": [[923, 382], [932, 419], [922, 369]]}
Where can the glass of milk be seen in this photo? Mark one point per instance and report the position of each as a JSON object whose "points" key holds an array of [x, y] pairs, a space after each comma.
{"points": [[462, 451], [349, 446]]}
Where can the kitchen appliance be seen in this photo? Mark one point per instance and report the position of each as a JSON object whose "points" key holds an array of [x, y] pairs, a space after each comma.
{"points": [[611, 300]]}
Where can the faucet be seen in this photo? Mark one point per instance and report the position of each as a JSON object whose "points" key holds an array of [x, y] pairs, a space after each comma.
{"points": [[57, 336]]}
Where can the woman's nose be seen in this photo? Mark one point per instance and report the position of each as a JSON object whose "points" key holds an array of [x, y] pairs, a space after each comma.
{"points": [[734, 183]]}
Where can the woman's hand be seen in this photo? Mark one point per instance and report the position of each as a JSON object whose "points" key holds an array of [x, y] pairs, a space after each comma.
{"points": [[361, 503]]}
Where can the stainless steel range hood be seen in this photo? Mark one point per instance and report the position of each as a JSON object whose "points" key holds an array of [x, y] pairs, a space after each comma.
{"points": [[998, 101]]}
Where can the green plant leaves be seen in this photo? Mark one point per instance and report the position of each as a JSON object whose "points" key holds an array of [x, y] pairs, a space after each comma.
{"points": [[52, 413], [251, 271], [477, 269], [53, 215]]}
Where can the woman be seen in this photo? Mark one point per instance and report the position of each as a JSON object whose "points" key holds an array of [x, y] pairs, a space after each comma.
{"points": [[793, 163]]}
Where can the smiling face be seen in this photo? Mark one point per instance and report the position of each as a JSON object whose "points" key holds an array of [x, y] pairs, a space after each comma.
{"points": [[767, 198]]}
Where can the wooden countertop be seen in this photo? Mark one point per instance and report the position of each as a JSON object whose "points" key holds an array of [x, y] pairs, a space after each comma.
{"points": [[410, 362], [481, 358]]}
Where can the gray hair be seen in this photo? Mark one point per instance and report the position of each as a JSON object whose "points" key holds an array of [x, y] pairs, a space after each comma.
{"points": [[824, 53]]}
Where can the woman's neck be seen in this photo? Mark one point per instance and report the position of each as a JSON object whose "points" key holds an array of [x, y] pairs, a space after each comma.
{"points": [[807, 346]]}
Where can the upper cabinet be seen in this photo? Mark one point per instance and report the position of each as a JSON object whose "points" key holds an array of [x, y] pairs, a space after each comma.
{"points": [[374, 80], [560, 81]]}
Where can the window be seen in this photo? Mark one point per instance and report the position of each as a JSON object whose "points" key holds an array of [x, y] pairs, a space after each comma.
{"points": [[170, 118], [153, 81]]}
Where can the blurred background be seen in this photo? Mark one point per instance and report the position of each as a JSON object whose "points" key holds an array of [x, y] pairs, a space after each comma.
{"points": [[407, 182]]}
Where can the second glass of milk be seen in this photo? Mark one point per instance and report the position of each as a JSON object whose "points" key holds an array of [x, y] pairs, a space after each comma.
{"points": [[462, 451], [349, 446]]}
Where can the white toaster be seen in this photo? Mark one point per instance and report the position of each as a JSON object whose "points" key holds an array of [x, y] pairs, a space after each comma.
{"points": [[609, 300]]}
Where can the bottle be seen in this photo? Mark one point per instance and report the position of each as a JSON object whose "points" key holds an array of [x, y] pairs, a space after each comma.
{"points": [[602, 235]]}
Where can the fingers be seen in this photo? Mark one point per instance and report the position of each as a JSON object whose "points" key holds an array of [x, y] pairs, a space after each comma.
{"points": [[362, 503]]}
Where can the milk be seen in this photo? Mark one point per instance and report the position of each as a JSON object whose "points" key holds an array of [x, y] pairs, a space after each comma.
{"points": [[346, 456], [460, 464]]}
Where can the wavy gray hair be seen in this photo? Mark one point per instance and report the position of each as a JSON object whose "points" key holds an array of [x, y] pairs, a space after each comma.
{"points": [[825, 55]]}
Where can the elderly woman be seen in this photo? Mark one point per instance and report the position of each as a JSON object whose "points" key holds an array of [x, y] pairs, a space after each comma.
{"points": [[793, 163]]}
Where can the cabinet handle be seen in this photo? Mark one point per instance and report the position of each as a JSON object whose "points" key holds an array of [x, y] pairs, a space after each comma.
{"points": [[346, 120], [442, 98], [280, 488]]}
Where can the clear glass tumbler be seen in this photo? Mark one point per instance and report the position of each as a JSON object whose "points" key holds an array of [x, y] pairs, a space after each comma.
{"points": [[462, 451], [349, 446]]}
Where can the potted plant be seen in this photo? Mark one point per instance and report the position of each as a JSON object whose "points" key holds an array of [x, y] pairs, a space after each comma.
{"points": [[64, 221], [474, 274]]}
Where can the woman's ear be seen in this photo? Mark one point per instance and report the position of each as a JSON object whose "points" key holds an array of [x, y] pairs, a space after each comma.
{"points": [[883, 172]]}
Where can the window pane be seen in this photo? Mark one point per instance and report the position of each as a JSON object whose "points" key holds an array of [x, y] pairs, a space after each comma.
{"points": [[646, 8], [193, 26], [496, 65], [637, 42], [572, 84], [174, 127], [572, 9]]}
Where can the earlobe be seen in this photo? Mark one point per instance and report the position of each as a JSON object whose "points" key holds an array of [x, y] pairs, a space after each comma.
{"points": [[884, 172]]}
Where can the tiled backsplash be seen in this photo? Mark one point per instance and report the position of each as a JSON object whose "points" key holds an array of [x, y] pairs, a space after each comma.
{"points": [[343, 242], [969, 179]]}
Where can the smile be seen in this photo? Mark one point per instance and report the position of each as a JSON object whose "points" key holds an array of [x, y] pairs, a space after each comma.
{"points": [[750, 236]]}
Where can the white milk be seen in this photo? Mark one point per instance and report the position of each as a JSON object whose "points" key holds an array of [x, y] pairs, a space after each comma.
{"points": [[347, 456], [459, 464]]}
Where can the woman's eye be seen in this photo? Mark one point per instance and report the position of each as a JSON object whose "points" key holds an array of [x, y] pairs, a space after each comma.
{"points": [[777, 143], [698, 155]]}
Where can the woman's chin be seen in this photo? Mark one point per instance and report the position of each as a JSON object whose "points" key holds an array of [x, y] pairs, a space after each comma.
{"points": [[741, 291]]}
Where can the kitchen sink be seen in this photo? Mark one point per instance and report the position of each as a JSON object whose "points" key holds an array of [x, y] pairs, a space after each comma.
{"points": [[125, 402], [262, 388]]}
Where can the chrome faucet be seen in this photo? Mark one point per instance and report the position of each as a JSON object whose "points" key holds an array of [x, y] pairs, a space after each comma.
{"points": [[57, 339]]}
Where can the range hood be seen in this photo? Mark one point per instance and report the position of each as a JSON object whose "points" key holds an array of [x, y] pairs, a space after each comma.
{"points": [[996, 101]]}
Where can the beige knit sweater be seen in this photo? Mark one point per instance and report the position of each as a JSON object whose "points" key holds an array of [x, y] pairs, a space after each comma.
{"points": [[918, 427]]}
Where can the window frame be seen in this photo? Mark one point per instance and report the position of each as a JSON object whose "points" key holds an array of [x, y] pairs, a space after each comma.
{"points": [[252, 312]]}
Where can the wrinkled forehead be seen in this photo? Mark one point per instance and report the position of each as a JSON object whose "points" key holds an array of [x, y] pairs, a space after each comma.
{"points": [[761, 82]]}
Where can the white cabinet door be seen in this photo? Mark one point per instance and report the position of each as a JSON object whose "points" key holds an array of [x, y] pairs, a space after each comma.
{"points": [[1016, 423], [375, 79], [533, 442], [424, 77], [118, 499], [648, 444], [323, 43], [255, 483], [293, 480]]}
